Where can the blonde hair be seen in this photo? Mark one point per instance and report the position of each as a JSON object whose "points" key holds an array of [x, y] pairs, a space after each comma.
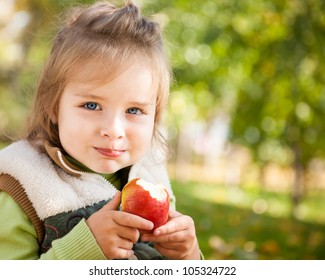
{"points": [[106, 34]]}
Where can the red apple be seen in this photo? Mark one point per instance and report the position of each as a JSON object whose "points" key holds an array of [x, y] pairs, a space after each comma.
{"points": [[146, 200]]}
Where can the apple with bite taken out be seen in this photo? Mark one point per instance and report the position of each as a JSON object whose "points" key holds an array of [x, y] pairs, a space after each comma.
{"points": [[146, 200]]}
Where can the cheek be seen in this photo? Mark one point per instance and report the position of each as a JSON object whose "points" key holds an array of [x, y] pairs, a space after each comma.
{"points": [[142, 135], [70, 128]]}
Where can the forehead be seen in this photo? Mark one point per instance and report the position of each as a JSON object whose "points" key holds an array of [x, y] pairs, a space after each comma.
{"points": [[135, 78], [99, 70], [92, 72]]}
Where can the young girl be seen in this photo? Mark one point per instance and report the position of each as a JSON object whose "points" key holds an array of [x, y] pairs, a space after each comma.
{"points": [[95, 118]]}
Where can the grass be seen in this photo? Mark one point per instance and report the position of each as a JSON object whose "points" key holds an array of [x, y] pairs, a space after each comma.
{"points": [[250, 223]]}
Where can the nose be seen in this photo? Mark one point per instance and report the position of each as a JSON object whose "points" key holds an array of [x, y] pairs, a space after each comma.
{"points": [[113, 128]]}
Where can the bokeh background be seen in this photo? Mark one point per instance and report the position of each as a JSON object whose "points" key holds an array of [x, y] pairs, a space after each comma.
{"points": [[245, 120]]}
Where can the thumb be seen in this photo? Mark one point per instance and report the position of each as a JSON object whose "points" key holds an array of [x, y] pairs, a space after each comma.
{"points": [[114, 203], [174, 214]]}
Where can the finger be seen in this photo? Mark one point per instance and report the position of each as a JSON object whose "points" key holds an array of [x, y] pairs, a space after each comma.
{"points": [[117, 248], [171, 246], [130, 234], [145, 232], [125, 244], [120, 253], [175, 224], [128, 254], [134, 221], [171, 254], [178, 236], [174, 214], [114, 203]]}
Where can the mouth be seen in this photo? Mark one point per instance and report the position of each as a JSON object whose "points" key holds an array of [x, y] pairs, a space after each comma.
{"points": [[110, 153]]}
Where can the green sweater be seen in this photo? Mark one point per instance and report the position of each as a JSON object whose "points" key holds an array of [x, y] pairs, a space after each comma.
{"points": [[18, 239]]}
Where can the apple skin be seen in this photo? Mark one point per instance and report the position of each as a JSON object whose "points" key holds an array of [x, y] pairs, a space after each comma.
{"points": [[138, 201]]}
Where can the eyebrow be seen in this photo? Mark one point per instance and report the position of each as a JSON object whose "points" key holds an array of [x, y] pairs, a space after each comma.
{"points": [[141, 104], [88, 95]]}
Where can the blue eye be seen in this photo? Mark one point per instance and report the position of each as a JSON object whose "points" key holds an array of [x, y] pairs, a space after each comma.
{"points": [[134, 111], [91, 106]]}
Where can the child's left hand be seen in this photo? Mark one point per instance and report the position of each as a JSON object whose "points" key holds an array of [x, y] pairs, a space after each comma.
{"points": [[176, 239]]}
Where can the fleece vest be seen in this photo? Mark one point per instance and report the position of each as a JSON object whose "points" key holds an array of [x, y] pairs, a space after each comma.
{"points": [[59, 194]]}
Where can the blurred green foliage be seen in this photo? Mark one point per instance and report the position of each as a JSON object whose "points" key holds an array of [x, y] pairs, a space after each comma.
{"points": [[247, 223], [260, 62]]}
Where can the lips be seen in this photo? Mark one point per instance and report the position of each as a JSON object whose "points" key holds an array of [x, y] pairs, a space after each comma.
{"points": [[110, 153]]}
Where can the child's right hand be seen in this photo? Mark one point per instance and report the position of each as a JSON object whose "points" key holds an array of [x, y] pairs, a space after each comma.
{"points": [[116, 231]]}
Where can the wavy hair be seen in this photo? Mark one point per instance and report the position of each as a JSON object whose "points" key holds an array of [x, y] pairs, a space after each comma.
{"points": [[112, 37]]}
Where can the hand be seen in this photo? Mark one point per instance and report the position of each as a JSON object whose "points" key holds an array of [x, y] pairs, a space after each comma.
{"points": [[116, 231], [176, 239]]}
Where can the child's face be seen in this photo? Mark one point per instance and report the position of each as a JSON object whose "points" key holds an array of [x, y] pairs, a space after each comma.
{"points": [[108, 126]]}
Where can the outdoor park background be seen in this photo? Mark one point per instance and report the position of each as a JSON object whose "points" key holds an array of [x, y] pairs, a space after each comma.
{"points": [[245, 119]]}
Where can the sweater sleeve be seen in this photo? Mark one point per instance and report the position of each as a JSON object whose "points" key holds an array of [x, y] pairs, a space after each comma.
{"points": [[18, 238], [69, 247]]}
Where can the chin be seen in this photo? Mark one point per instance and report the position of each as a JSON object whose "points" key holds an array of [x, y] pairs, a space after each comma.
{"points": [[109, 169]]}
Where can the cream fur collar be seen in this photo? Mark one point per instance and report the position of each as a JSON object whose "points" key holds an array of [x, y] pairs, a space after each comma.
{"points": [[53, 191]]}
